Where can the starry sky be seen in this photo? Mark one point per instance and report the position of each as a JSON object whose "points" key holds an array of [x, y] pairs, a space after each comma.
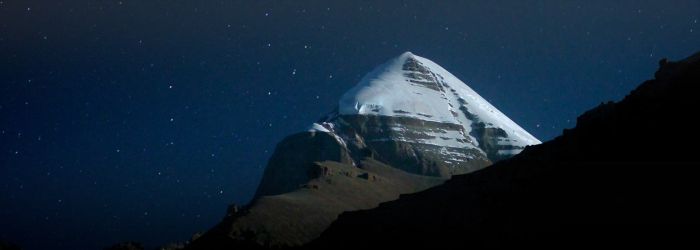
{"points": [[142, 120]]}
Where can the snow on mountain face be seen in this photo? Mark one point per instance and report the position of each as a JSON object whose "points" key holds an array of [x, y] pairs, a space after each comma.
{"points": [[412, 86], [413, 100]]}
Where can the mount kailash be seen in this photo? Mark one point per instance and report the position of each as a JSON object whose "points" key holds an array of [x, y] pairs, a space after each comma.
{"points": [[408, 125]]}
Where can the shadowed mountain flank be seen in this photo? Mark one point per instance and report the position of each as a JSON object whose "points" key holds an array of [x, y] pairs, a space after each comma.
{"points": [[627, 174]]}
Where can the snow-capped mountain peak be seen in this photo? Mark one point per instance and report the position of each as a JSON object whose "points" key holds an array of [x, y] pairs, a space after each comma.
{"points": [[411, 100], [413, 86]]}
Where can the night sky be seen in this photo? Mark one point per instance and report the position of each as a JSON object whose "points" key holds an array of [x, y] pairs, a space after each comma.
{"points": [[125, 120]]}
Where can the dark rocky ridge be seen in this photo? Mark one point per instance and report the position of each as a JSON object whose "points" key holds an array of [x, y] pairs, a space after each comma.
{"points": [[627, 174], [288, 168], [297, 217], [381, 136]]}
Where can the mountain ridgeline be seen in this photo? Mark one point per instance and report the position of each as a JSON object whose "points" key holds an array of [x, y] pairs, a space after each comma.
{"points": [[408, 125]]}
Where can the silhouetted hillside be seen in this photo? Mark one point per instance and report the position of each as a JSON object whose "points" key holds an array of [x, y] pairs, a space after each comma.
{"points": [[627, 174]]}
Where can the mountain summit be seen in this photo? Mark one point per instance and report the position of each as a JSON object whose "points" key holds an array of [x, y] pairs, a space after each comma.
{"points": [[407, 126], [411, 89]]}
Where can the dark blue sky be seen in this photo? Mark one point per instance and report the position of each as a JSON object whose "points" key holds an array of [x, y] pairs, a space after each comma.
{"points": [[125, 120]]}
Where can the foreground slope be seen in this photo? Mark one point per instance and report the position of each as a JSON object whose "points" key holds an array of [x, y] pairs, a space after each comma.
{"points": [[627, 174], [300, 216]]}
